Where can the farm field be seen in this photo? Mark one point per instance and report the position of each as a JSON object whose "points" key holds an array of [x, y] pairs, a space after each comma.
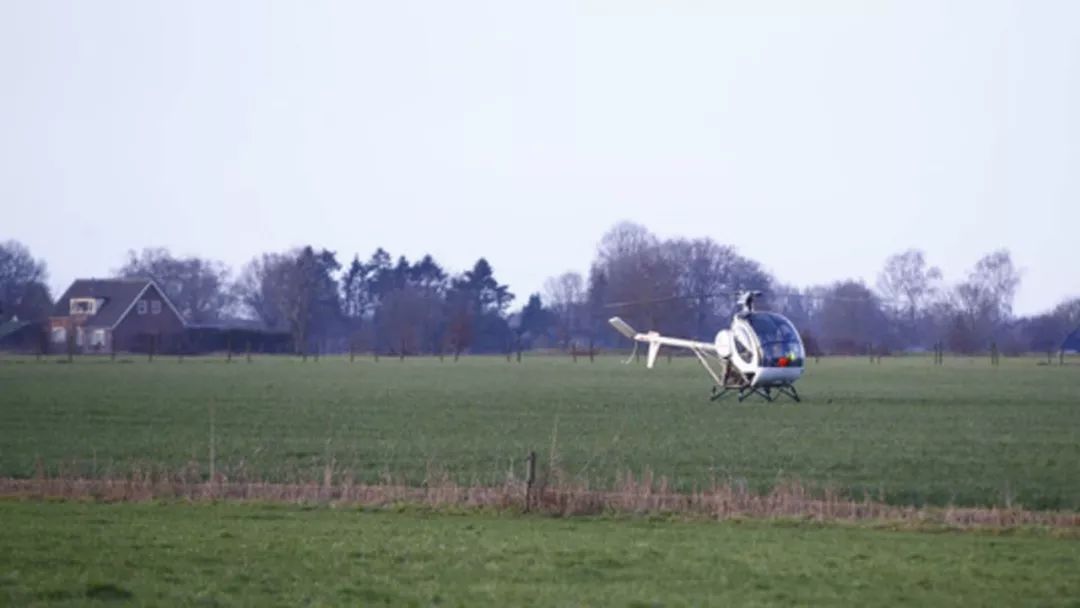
{"points": [[904, 431], [260, 555]]}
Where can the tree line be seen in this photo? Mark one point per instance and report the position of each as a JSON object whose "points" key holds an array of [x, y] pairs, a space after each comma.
{"points": [[680, 286]]}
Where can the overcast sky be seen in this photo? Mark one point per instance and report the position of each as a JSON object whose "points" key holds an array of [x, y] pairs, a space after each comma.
{"points": [[817, 137]]}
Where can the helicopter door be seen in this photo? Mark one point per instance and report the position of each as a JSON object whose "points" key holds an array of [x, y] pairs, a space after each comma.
{"points": [[744, 349]]}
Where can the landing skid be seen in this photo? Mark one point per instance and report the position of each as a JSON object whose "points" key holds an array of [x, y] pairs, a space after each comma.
{"points": [[769, 393]]}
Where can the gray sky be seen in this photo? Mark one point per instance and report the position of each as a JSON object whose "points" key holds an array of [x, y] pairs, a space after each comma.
{"points": [[817, 137]]}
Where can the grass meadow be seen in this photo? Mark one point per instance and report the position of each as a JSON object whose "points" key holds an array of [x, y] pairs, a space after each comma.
{"points": [[904, 431], [271, 555]]}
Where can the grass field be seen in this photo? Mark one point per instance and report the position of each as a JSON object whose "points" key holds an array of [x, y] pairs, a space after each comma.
{"points": [[228, 554], [905, 430]]}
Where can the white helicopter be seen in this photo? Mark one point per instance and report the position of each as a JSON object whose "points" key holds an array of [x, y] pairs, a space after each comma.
{"points": [[761, 354]]}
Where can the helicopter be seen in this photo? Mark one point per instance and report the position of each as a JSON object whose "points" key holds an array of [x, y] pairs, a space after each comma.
{"points": [[760, 354]]}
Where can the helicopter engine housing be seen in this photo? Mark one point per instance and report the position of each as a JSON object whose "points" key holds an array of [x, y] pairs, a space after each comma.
{"points": [[723, 344]]}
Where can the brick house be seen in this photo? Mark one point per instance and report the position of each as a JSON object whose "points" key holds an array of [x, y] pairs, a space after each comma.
{"points": [[101, 315]]}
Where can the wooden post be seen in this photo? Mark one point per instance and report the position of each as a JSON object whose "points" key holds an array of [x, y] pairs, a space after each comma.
{"points": [[519, 350], [352, 351], [228, 347], [211, 442], [247, 350], [1061, 357], [71, 345], [573, 352], [376, 352], [669, 356], [592, 352], [530, 478], [401, 354]]}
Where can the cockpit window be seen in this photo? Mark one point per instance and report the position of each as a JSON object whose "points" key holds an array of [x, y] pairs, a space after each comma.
{"points": [[780, 343]]}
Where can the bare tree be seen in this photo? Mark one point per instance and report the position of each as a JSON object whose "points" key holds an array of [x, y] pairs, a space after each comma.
{"points": [[911, 284], [851, 318], [639, 274], [566, 294], [983, 303], [294, 290], [708, 276]]}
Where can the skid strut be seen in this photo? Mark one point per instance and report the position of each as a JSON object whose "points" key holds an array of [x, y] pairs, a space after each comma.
{"points": [[769, 393]]}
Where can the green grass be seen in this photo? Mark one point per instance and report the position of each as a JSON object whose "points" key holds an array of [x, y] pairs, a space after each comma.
{"points": [[906, 430], [229, 554]]}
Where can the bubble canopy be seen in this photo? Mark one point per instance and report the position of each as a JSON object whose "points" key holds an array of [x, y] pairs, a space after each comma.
{"points": [[780, 342]]}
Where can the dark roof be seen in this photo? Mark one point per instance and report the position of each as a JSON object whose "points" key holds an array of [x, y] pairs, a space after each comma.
{"points": [[253, 325], [1072, 341], [119, 294], [11, 327]]}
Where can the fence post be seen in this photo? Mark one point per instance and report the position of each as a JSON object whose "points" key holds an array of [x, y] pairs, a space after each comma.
{"points": [[592, 352], [247, 351], [573, 352], [1061, 357], [530, 478], [228, 347]]}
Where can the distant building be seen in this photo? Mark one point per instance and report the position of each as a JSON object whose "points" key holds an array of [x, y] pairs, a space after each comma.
{"points": [[1072, 342], [101, 315], [16, 335]]}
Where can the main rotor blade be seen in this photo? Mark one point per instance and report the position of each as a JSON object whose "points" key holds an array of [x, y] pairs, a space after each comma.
{"points": [[669, 299], [766, 295]]}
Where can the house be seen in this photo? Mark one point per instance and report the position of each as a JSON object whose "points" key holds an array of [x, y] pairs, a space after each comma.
{"points": [[103, 315]]}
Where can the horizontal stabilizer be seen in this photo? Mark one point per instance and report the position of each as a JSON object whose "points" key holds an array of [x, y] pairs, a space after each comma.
{"points": [[622, 327]]}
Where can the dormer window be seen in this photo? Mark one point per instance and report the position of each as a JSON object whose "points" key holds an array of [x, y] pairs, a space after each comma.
{"points": [[83, 306], [141, 307]]}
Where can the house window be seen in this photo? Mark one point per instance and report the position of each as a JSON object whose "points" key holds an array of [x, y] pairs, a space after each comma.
{"points": [[79, 336], [97, 338], [155, 307], [59, 335], [83, 306], [142, 307]]}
